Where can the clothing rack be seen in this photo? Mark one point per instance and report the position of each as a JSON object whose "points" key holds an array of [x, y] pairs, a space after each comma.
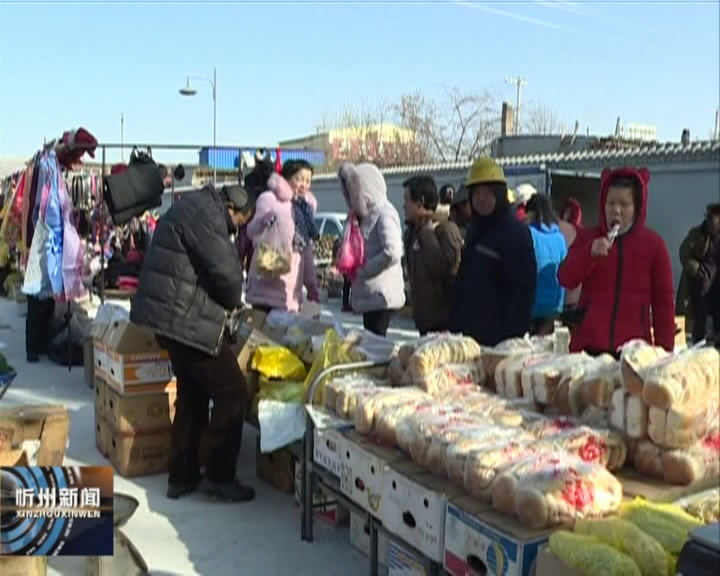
{"points": [[104, 147]]}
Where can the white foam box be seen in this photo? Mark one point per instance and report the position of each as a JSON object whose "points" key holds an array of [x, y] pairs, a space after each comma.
{"points": [[363, 468], [404, 562], [328, 440], [415, 504], [478, 540], [360, 537]]}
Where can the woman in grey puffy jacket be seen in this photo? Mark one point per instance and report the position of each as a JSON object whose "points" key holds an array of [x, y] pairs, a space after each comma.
{"points": [[378, 289]]}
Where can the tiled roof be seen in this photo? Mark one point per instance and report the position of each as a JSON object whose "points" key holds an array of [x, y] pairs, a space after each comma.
{"points": [[694, 152]]}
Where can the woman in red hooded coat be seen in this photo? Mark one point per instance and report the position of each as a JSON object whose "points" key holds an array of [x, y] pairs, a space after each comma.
{"points": [[624, 269]]}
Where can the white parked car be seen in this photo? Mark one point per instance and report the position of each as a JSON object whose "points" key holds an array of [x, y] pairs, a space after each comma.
{"points": [[330, 223]]}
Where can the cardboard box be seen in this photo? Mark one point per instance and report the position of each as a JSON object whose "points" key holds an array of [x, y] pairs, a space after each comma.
{"points": [[88, 361], [415, 504], [102, 433], [636, 485], [100, 391], [548, 565], [363, 468], [46, 424], [478, 540], [276, 468], [404, 562], [134, 357], [140, 454], [325, 507], [360, 538], [140, 412], [253, 319], [248, 340], [105, 316], [13, 458], [23, 565]]}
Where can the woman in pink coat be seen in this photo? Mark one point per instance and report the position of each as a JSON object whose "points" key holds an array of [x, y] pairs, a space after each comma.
{"points": [[289, 201]]}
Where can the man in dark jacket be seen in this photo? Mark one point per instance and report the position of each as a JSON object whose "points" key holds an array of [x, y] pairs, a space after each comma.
{"points": [[699, 292], [433, 245], [190, 279], [495, 287]]}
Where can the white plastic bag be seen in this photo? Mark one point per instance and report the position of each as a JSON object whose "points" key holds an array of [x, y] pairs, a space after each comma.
{"points": [[280, 424]]}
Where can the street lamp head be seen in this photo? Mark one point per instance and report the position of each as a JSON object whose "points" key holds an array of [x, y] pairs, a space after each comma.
{"points": [[188, 90]]}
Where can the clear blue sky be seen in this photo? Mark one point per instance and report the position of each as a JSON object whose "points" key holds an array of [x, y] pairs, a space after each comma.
{"points": [[282, 65]]}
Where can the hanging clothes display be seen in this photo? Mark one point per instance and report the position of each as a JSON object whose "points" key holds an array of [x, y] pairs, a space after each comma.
{"points": [[55, 258], [11, 229]]}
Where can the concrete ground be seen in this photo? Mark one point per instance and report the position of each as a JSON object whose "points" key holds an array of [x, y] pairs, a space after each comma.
{"points": [[193, 535]]}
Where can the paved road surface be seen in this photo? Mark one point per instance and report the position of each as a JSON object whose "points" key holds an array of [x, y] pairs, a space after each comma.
{"points": [[190, 536]]}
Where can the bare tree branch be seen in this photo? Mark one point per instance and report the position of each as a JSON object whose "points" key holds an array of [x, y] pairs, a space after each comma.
{"points": [[417, 130], [541, 120]]}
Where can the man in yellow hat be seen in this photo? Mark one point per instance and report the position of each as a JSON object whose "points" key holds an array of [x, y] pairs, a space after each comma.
{"points": [[495, 286]]}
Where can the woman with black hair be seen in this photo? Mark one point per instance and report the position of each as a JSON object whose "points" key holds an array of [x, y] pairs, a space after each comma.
{"points": [[550, 250]]}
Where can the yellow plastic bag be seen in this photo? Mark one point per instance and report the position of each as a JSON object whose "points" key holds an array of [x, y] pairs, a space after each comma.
{"points": [[668, 524], [590, 557], [334, 351], [624, 536], [278, 363]]}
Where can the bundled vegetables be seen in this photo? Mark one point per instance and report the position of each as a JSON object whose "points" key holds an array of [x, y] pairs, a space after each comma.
{"points": [[645, 540], [590, 557], [647, 552], [667, 523]]}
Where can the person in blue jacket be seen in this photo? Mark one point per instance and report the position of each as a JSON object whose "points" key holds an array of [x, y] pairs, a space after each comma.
{"points": [[550, 251]]}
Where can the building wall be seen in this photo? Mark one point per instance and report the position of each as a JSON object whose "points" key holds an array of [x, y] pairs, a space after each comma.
{"points": [[330, 198]]}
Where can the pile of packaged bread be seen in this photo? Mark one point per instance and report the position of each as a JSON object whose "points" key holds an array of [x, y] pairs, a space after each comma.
{"points": [[538, 433]]}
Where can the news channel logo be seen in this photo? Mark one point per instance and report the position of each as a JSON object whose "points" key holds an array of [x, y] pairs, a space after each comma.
{"points": [[56, 511]]}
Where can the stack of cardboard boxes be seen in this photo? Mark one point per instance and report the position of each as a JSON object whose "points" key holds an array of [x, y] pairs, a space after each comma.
{"points": [[134, 395], [32, 435]]}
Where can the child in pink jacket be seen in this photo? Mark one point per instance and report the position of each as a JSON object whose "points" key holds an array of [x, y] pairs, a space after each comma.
{"points": [[289, 201]]}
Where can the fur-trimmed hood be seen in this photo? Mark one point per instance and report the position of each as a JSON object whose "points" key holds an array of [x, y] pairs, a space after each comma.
{"points": [[363, 187], [280, 187]]}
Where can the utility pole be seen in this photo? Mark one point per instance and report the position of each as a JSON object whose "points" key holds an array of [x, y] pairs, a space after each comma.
{"points": [[122, 138], [519, 82]]}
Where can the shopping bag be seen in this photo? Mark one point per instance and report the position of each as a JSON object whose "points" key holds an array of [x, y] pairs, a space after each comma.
{"points": [[278, 363], [334, 351], [272, 255], [351, 254], [280, 391], [37, 260]]}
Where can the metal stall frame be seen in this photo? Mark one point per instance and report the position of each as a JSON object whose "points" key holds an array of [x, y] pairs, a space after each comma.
{"points": [[313, 477]]}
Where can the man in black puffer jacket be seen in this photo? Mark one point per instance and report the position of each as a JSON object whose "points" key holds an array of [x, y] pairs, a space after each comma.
{"points": [[191, 276]]}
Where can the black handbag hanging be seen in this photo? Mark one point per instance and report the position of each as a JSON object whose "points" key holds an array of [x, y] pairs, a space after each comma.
{"points": [[134, 191]]}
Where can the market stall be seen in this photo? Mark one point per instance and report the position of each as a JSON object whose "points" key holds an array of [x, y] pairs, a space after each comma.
{"points": [[479, 479]]}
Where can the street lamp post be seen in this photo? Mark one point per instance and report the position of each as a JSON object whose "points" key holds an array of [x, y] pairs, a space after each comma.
{"points": [[519, 82], [188, 90]]}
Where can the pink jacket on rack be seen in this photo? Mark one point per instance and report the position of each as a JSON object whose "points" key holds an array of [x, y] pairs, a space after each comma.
{"points": [[283, 292]]}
